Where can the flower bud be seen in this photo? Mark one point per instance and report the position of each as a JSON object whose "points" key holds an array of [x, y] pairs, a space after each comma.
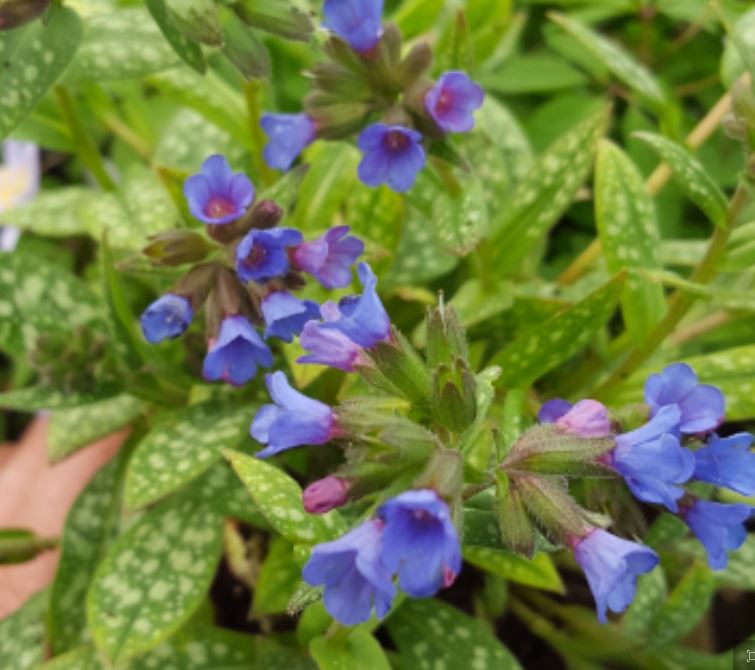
{"points": [[176, 247], [14, 13], [453, 401], [278, 17], [516, 528], [444, 474], [326, 494], [415, 64], [334, 118], [403, 368], [446, 339], [197, 20]]}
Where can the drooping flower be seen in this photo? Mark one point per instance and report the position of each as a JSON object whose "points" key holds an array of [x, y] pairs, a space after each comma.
{"points": [[588, 418], [392, 155], [356, 22], [420, 542], [652, 461], [285, 315], [329, 258], [19, 183], [728, 462], [294, 420], [553, 409], [326, 494], [701, 406], [329, 347], [451, 102], [263, 254], [719, 527], [166, 318], [288, 135], [612, 565], [216, 195], [353, 573], [363, 318], [236, 353]]}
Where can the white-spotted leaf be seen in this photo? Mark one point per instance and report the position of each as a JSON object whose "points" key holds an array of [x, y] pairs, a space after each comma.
{"points": [[358, 650], [538, 571], [22, 635], [188, 51]]}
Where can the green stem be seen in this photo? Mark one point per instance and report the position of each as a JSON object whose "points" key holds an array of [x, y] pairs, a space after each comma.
{"points": [[681, 301], [251, 92], [86, 147]]}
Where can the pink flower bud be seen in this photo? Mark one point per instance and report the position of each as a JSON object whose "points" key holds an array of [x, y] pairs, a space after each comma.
{"points": [[588, 418], [326, 494]]}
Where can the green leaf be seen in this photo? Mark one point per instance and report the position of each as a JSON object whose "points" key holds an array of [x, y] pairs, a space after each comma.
{"points": [[538, 571], [738, 574], [182, 446], [278, 578], [122, 45], [540, 349], [686, 606], [82, 658], [625, 217], [38, 297], [32, 62], [430, 634], [223, 490], [154, 577], [53, 213], [278, 497], [358, 650], [461, 221], [243, 47], [535, 73], [197, 20], [71, 429], [89, 528], [650, 595], [691, 176], [34, 398], [22, 635], [544, 194], [619, 62], [416, 16], [738, 49], [189, 52]]}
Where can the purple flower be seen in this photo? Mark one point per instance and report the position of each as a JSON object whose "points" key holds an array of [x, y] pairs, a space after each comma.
{"points": [[392, 155], [329, 259], [285, 315], [719, 527], [420, 542], [588, 418], [263, 254], [329, 347], [166, 318], [652, 461], [355, 578], [728, 462], [363, 318], [216, 195], [326, 494], [612, 566], [701, 406], [289, 135], [452, 101], [552, 410], [236, 353], [357, 22], [293, 420]]}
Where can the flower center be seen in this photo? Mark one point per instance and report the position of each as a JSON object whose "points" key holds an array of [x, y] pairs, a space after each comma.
{"points": [[218, 207], [256, 256], [395, 140], [445, 101]]}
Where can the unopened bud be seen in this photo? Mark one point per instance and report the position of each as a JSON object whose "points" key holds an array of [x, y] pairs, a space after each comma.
{"points": [[397, 361], [176, 247], [197, 20], [446, 338], [197, 283], [516, 527], [444, 474], [334, 118], [14, 13], [279, 17], [415, 64], [326, 494], [454, 404]]}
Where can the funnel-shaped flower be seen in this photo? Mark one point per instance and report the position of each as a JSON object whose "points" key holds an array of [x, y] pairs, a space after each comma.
{"points": [[263, 254], [166, 318], [285, 315], [288, 135], [216, 195], [451, 102], [392, 155], [236, 353], [356, 22], [329, 258], [719, 527], [327, 346], [728, 462]]}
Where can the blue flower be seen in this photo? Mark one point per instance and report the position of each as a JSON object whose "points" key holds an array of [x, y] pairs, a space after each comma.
{"points": [[357, 22], [701, 406], [363, 318], [293, 420], [719, 527], [285, 315], [393, 155], [166, 318], [289, 135], [236, 353], [612, 566], [329, 347], [355, 578], [652, 461], [553, 409], [263, 254], [329, 258], [420, 542], [452, 101], [728, 462], [216, 195]]}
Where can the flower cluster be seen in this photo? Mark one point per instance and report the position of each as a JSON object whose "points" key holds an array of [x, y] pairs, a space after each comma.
{"points": [[365, 79], [254, 284], [675, 446], [412, 537]]}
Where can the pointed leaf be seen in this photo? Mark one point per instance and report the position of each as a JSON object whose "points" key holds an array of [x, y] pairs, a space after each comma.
{"points": [[188, 51], [22, 635], [538, 571], [358, 650]]}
